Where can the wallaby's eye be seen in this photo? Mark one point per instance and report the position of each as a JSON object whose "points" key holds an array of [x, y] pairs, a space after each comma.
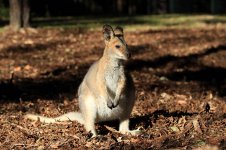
{"points": [[117, 46]]}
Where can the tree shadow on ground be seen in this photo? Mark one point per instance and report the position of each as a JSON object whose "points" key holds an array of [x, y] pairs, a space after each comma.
{"points": [[210, 77], [139, 64], [145, 121], [139, 49], [63, 82], [207, 76], [26, 48], [53, 85]]}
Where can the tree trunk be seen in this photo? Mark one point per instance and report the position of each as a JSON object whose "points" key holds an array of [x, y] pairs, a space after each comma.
{"points": [[19, 14], [132, 8], [119, 6], [148, 7], [172, 4], [154, 7], [15, 14], [213, 6], [25, 13]]}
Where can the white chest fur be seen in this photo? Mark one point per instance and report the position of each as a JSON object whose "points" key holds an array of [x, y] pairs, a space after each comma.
{"points": [[112, 77]]}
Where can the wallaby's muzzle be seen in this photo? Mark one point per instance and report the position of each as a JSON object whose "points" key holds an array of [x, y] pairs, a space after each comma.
{"points": [[128, 55]]}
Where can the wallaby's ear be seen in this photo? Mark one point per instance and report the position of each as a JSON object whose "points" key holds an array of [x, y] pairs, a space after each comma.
{"points": [[118, 31], [108, 32]]}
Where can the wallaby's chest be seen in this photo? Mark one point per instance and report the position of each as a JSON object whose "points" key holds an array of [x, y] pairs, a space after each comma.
{"points": [[112, 77]]}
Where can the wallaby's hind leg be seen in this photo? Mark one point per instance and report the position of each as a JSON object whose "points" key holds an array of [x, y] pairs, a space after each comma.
{"points": [[88, 110], [124, 127]]}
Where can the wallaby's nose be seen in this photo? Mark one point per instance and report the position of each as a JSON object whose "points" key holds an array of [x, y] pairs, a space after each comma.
{"points": [[128, 55]]}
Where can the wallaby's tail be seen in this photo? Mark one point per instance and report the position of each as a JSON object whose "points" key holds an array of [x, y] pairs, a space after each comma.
{"points": [[71, 116]]}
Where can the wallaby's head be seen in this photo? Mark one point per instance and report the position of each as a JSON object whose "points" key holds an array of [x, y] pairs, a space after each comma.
{"points": [[115, 44]]}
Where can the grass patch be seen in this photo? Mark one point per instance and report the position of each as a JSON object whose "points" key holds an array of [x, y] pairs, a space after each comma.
{"points": [[1, 29], [132, 22]]}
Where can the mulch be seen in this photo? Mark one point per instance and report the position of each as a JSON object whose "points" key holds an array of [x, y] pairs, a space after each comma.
{"points": [[179, 76]]}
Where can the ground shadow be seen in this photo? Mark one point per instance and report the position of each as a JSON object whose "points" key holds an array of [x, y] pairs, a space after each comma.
{"points": [[52, 85], [63, 81], [139, 49], [208, 77], [145, 121], [139, 64], [26, 48]]}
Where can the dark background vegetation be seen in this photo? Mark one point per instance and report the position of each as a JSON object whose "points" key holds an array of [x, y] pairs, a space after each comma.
{"points": [[50, 8], [23, 13]]}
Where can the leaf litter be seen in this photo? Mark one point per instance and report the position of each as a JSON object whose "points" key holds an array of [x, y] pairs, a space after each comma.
{"points": [[179, 76]]}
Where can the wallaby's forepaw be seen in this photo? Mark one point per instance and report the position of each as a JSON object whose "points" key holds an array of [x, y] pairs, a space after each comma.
{"points": [[112, 104], [115, 103]]}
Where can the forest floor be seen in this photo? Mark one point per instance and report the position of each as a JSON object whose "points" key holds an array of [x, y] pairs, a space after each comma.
{"points": [[179, 75]]}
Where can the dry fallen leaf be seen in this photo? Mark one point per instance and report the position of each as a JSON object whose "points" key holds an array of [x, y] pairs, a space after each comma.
{"points": [[111, 129], [212, 107], [182, 102], [165, 96], [181, 123], [207, 147], [196, 125], [29, 42], [174, 128], [55, 145], [28, 67], [17, 69]]}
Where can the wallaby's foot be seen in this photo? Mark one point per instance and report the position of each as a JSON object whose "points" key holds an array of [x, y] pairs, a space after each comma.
{"points": [[92, 135], [124, 128], [132, 132]]}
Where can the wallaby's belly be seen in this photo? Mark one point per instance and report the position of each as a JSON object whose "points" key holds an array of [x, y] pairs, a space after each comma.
{"points": [[105, 114]]}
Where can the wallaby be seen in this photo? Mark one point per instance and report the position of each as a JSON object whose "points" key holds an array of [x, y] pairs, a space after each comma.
{"points": [[107, 90]]}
